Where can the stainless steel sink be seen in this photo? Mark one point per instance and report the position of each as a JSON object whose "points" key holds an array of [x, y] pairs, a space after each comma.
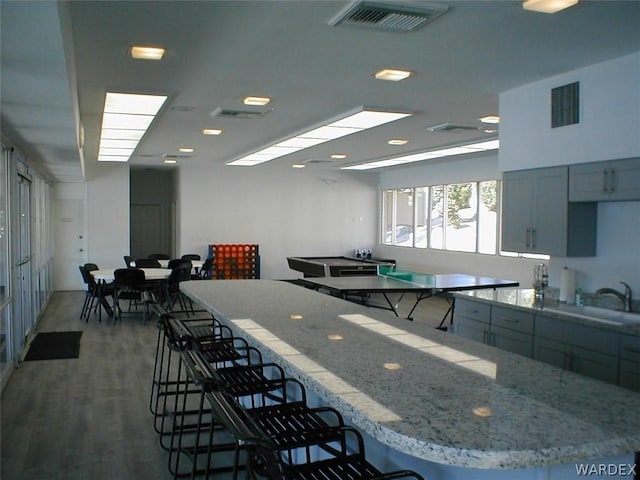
{"points": [[600, 315]]}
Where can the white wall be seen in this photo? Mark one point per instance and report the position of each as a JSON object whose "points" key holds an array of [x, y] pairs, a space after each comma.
{"points": [[609, 118], [618, 251], [288, 212], [108, 214], [609, 128]]}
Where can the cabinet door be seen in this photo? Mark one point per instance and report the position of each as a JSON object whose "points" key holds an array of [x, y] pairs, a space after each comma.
{"points": [[625, 179], [550, 217], [471, 329], [629, 375], [589, 182], [594, 364], [551, 352], [517, 208], [512, 341]]}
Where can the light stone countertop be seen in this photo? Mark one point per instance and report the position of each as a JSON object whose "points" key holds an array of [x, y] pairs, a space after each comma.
{"points": [[425, 392], [524, 299]]}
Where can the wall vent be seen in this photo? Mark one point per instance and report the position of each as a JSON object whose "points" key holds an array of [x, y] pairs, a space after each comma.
{"points": [[565, 105], [390, 17], [243, 114]]}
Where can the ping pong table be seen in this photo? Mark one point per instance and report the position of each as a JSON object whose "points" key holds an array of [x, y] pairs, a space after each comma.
{"points": [[389, 280]]}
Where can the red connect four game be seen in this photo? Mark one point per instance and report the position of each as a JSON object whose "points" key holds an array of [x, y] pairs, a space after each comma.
{"points": [[233, 261]]}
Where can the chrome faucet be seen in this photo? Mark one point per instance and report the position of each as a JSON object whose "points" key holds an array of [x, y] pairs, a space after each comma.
{"points": [[625, 297]]}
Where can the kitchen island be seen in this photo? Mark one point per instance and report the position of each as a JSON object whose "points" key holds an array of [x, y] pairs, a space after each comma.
{"points": [[443, 403]]}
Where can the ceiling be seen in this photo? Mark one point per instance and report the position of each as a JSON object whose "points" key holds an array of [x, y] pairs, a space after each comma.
{"points": [[59, 59]]}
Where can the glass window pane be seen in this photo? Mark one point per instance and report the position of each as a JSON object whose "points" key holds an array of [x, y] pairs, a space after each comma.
{"points": [[488, 217], [404, 218], [422, 216], [436, 231], [387, 217], [462, 217]]}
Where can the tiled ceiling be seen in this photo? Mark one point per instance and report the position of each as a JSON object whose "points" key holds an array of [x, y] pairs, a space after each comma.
{"points": [[59, 59]]}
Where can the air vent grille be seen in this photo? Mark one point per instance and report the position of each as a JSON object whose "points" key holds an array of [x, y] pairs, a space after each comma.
{"points": [[565, 105], [388, 17], [242, 114], [451, 127]]}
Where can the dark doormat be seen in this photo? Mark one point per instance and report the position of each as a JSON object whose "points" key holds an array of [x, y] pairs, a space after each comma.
{"points": [[54, 346]]}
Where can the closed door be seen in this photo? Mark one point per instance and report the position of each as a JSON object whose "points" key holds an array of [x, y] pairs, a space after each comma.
{"points": [[146, 230], [70, 244]]}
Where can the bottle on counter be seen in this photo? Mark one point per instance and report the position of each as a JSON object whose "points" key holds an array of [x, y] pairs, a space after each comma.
{"points": [[579, 300]]}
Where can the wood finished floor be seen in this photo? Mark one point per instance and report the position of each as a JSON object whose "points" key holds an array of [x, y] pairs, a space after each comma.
{"points": [[89, 418]]}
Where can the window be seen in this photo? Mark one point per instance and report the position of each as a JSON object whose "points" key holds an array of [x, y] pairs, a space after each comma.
{"points": [[459, 217]]}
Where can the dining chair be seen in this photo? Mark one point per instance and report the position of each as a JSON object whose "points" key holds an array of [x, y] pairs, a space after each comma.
{"points": [[127, 261], [129, 284], [191, 256], [147, 263], [205, 271]]}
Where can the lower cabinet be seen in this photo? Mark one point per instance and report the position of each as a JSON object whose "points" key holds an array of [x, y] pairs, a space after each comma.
{"points": [[511, 341], [503, 328], [629, 374], [588, 350]]}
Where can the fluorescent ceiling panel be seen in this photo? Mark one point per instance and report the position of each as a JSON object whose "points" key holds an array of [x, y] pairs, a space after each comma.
{"points": [[356, 122], [417, 157], [548, 6], [125, 120]]}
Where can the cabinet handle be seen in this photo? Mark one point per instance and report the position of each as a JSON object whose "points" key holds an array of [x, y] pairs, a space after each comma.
{"points": [[612, 180], [605, 181], [527, 236], [510, 320], [470, 310], [632, 349], [484, 336], [533, 238]]}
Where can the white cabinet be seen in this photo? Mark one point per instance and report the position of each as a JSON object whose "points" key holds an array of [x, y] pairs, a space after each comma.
{"points": [[538, 218], [605, 181]]}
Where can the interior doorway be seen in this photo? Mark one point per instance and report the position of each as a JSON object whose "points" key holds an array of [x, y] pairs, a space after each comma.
{"points": [[151, 213]]}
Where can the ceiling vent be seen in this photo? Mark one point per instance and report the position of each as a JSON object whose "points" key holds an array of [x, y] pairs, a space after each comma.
{"points": [[451, 127], [242, 114], [171, 156], [390, 17], [316, 161]]}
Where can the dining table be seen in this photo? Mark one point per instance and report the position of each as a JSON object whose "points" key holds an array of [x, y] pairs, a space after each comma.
{"points": [[196, 265], [103, 276]]}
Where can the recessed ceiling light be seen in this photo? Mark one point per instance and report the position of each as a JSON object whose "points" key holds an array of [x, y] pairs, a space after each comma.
{"points": [[398, 141], [125, 119], [170, 161], [185, 150], [354, 122], [338, 156], [392, 74], [298, 165], [256, 100], [211, 131], [490, 119], [335, 336], [147, 53], [392, 366], [548, 6]]}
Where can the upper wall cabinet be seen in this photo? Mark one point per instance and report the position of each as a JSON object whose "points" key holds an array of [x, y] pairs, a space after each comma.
{"points": [[605, 181], [538, 218]]}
